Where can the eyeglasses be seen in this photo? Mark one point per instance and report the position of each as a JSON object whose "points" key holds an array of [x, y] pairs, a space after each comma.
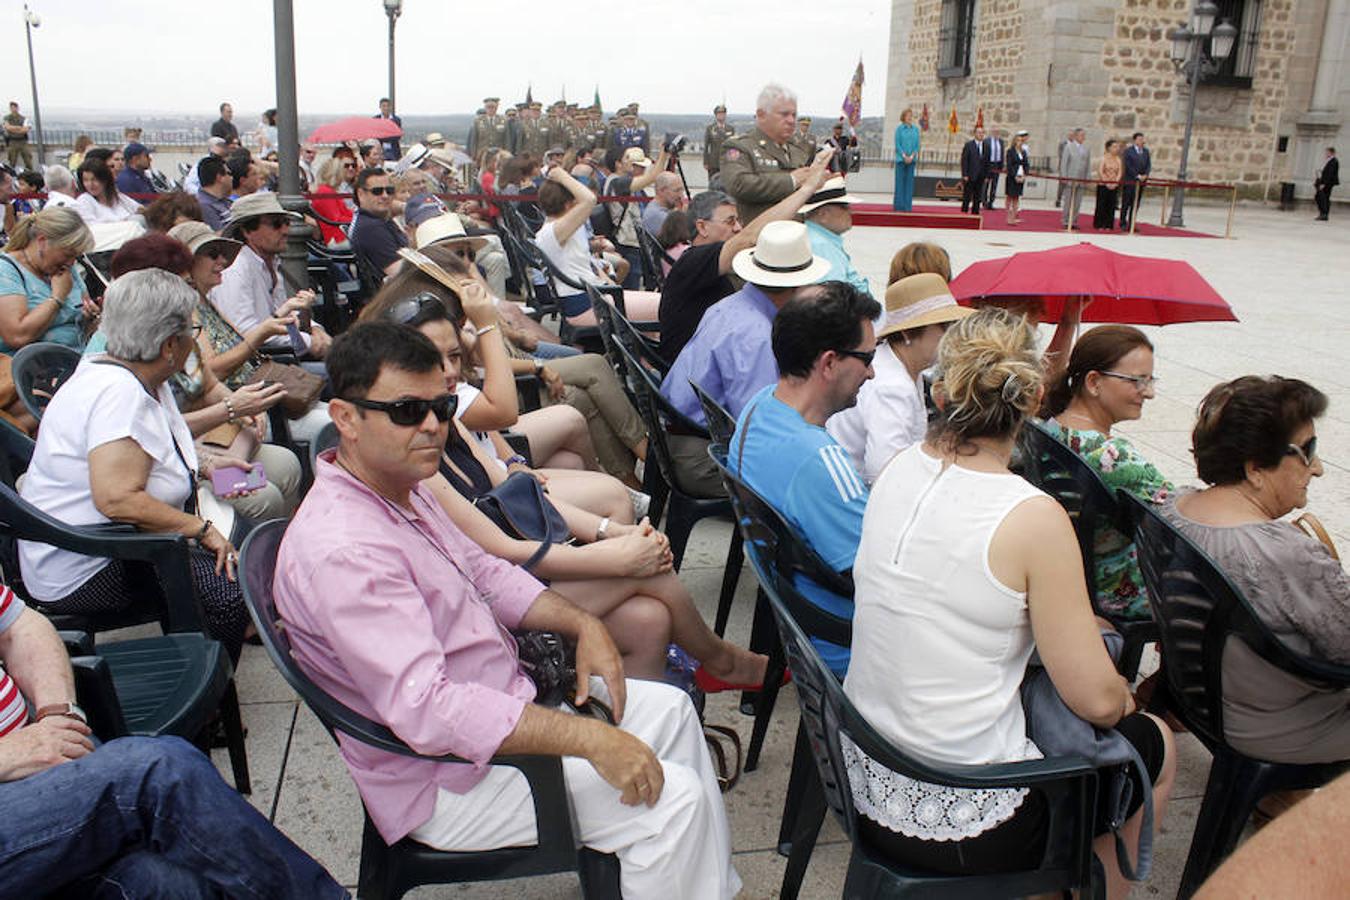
{"points": [[216, 253], [347, 165], [864, 357], [411, 308], [728, 221], [1141, 382], [1306, 453], [276, 221], [195, 329], [410, 412], [377, 191]]}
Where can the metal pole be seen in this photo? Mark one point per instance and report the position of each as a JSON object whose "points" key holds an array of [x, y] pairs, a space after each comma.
{"points": [[1232, 208], [32, 78], [1197, 63], [293, 258], [393, 16]]}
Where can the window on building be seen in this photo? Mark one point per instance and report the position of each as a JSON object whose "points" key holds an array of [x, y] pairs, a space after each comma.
{"points": [[954, 30], [1237, 70]]}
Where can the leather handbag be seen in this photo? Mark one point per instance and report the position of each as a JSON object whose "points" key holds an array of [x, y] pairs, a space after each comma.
{"points": [[1312, 526], [302, 387], [520, 508]]}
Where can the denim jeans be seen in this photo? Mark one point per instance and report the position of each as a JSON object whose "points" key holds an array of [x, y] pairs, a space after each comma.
{"points": [[545, 350], [145, 817]]}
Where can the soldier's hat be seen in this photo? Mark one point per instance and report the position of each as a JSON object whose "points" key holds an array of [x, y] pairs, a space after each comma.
{"points": [[633, 104], [487, 100], [721, 107], [521, 105], [806, 119], [535, 104]]}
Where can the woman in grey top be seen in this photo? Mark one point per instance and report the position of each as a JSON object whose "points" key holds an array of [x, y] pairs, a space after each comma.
{"points": [[1256, 446]]}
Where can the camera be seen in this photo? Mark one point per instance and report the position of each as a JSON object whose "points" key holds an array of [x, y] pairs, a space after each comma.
{"points": [[675, 142]]}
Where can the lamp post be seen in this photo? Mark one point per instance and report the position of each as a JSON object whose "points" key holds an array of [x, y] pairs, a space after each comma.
{"points": [[1189, 58], [31, 20], [392, 9], [294, 267]]}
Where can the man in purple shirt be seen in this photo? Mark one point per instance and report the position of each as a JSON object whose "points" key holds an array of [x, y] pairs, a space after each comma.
{"points": [[396, 613], [731, 355]]}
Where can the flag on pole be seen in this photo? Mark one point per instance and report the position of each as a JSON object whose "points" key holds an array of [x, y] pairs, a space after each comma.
{"points": [[923, 118], [979, 117], [596, 102], [853, 99], [953, 124]]}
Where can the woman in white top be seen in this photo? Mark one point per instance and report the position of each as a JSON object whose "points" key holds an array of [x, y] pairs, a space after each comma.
{"points": [[962, 570], [100, 201], [890, 414], [565, 239], [113, 447]]}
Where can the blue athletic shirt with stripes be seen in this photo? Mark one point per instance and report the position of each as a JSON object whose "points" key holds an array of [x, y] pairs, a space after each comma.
{"points": [[805, 474]]}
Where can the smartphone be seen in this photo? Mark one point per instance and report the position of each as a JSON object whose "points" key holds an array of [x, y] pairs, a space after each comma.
{"points": [[297, 342], [234, 480]]}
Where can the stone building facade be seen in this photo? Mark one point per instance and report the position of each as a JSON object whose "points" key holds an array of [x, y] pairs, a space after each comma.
{"points": [[1050, 65]]}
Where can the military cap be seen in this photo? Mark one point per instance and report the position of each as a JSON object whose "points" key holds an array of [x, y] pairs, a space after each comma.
{"points": [[720, 108], [492, 99]]}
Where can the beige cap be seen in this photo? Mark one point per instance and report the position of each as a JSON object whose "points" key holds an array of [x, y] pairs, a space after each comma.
{"points": [[198, 235]]}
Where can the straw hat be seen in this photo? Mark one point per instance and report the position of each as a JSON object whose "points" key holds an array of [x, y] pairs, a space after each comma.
{"points": [[635, 156], [832, 191], [445, 229], [919, 300], [781, 258], [252, 206], [197, 235]]}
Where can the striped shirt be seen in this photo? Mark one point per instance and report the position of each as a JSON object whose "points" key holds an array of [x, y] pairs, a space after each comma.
{"points": [[13, 711]]}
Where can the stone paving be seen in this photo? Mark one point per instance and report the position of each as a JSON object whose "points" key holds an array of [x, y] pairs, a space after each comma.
{"points": [[1285, 276]]}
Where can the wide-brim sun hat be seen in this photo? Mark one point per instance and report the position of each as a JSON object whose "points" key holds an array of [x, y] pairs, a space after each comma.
{"points": [[919, 300], [198, 236], [446, 229], [781, 258], [253, 206], [832, 191]]}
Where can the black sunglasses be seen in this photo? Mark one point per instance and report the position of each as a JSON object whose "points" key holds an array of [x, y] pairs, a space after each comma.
{"points": [[410, 412], [377, 191], [1306, 453], [412, 308], [863, 356]]}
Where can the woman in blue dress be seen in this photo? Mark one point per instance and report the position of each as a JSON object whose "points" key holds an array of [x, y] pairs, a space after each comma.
{"points": [[906, 160]]}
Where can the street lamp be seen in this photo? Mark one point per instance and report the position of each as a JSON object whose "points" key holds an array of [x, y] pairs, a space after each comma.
{"points": [[1189, 57], [31, 20], [392, 9]]}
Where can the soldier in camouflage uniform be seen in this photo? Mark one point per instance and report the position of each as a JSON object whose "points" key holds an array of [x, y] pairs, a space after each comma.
{"points": [[764, 166], [489, 129], [714, 136]]}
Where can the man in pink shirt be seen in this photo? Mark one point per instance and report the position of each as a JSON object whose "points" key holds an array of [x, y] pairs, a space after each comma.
{"points": [[396, 613]]}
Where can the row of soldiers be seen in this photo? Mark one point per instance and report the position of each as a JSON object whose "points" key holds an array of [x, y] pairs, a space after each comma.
{"points": [[525, 129]]}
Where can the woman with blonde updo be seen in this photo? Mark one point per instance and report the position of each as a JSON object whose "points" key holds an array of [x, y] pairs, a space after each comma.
{"points": [[963, 569]]}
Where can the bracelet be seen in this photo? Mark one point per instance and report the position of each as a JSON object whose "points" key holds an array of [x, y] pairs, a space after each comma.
{"points": [[67, 709], [538, 365], [206, 526], [229, 410], [486, 328], [517, 458], [602, 529]]}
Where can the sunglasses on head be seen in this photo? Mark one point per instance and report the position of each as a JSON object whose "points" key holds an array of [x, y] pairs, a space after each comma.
{"points": [[410, 412], [378, 191], [411, 308], [1306, 453]]}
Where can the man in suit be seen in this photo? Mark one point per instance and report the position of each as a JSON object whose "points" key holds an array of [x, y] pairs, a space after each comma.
{"points": [[1059, 151], [992, 149], [1330, 177], [972, 172], [1137, 166], [1074, 162]]}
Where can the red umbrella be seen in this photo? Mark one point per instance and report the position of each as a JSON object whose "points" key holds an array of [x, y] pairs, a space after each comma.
{"points": [[354, 128], [1132, 290]]}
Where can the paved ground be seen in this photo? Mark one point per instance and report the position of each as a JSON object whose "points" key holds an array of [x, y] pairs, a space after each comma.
{"points": [[1284, 275]]}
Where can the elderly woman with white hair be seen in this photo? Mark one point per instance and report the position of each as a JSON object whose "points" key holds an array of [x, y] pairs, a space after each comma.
{"points": [[114, 448]]}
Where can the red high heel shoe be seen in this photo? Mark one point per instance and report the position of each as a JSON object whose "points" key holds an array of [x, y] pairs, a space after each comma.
{"points": [[709, 683]]}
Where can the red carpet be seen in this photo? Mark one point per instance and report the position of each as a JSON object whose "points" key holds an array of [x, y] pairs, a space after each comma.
{"points": [[949, 215]]}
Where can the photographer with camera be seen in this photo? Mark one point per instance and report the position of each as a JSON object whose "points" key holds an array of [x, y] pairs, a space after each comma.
{"points": [[633, 174]]}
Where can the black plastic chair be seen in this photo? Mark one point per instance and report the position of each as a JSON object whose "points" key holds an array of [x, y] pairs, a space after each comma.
{"points": [[325, 439], [643, 348], [604, 323], [653, 254], [1069, 785], [167, 685], [39, 370], [1199, 611], [721, 424], [389, 872], [1050, 465], [683, 510]]}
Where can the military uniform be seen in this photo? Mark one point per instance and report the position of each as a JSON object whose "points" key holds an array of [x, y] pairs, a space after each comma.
{"points": [[714, 136], [488, 133], [806, 140], [756, 172]]}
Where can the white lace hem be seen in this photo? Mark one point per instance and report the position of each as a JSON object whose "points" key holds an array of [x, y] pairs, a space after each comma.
{"points": [[917, 809]]}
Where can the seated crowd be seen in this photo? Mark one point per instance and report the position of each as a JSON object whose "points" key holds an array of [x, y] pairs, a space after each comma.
{"points": [[881, 426]]}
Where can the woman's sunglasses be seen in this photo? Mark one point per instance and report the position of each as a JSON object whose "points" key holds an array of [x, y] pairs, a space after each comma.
{"points": [[1306, 453], [419, 305], [411, 412]]}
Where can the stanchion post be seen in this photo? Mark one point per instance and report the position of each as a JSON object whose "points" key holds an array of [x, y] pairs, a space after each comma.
{"points": [[1068, 210], [1134, 204], [1232, 208], [1162, 216]]}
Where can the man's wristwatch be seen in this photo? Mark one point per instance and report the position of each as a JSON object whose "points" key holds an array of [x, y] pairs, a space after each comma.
{"points": [[538, 365], [61, 709]]}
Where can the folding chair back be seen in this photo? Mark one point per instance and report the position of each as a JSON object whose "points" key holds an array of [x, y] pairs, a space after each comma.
{"points": [[39, 370]]}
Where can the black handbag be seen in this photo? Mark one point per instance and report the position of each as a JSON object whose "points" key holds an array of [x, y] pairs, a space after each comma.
{"points": [[520, 508]]}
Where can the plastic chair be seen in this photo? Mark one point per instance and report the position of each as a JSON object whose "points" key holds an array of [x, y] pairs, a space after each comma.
{"points": [[1069, 785], [721, 424], [642, 347], [1199, 611], [653, 255], [325, 439], [390, 871], [39, 370], [172, 684], [1051, 466]]}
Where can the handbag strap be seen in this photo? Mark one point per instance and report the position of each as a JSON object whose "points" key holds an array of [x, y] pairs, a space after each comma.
{"points": [[1313, 527]]}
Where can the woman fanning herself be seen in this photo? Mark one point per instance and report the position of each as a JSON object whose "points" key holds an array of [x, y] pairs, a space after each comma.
{"points": [[1109, 376], [621, 573], [963, 569]]}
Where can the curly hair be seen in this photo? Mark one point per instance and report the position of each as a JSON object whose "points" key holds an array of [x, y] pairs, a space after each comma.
{"points": [[990, 375]]}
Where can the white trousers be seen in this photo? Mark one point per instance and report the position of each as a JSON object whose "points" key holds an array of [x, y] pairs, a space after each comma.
{"points": [[681, 847]]}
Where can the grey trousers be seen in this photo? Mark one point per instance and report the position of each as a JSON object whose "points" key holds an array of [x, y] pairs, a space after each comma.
{"points": [[694, 469]]}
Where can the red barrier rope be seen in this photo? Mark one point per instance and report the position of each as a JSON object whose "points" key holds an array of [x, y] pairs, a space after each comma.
{"points": [[1148, 182]]}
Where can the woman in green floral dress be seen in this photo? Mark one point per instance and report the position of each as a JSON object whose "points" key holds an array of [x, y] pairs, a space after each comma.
{"points": [[1107, 380]]}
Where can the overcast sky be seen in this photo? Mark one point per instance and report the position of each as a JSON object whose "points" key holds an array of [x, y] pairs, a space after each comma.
{"points": [[186, 55]]}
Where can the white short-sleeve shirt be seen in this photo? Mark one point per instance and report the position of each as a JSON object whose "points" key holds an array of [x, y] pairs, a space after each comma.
{"points": [[101, 403]]}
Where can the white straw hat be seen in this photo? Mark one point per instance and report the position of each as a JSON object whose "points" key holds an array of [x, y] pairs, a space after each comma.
{"points": [[781, 258]]}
